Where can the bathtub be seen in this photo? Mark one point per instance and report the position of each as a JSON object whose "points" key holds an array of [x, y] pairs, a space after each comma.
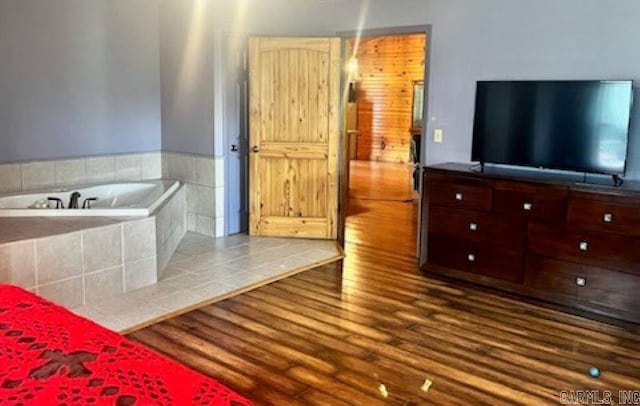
{"points": [[130, 199]]}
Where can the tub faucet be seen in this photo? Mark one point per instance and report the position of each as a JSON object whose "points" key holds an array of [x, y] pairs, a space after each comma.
{"points": [[59, 202], [87, 202], [73, 202]]}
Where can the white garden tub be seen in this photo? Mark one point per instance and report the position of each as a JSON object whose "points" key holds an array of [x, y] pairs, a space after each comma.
{"points": [[130, 199]]}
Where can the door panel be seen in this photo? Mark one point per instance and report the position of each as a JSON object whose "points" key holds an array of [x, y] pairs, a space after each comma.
{"points": [[304, 178], [294, 136]]}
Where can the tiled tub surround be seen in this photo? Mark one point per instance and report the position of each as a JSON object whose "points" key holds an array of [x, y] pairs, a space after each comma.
{"points": [[29, 228], [101, 258], [171, 227], [204, 177], [84, 266], [28, 176], [205, 270]]}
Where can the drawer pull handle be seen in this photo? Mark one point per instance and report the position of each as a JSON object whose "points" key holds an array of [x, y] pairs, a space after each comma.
{"points": [[471, 258], [459, 197], [527, 206], [608, 218], [473, 227], [584, 246], [582, 282]]}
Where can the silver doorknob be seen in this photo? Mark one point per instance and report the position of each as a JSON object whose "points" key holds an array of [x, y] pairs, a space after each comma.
{"points": [[584, 246], [473, 227], [608, 218], [527, 206], [582, 282], [256, 149], [471, 257], [459, 197]]}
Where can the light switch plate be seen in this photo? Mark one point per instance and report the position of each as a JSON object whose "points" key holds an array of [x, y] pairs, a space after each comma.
{"points": [[438, 136]]}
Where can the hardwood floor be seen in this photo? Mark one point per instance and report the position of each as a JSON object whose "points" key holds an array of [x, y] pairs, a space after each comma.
{"points": [[333, 335], [381, 181], [384, 225], [383, 207]]}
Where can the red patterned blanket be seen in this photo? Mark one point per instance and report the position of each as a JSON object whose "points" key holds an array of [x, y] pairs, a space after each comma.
{"points": [[49, 356]]}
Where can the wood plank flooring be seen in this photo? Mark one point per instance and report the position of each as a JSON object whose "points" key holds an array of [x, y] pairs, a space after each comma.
{"points": [[386, 226], [383, 207], [381, 181], [333, 335]]}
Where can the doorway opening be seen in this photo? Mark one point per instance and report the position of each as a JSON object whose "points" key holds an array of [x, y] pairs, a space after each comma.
{"points": [[381, 149], [384, 127]]}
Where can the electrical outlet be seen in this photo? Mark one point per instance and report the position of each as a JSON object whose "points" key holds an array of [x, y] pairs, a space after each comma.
{"points": [[438, 136]]}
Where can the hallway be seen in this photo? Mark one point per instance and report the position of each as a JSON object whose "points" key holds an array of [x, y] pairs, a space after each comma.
{"points": [[383, 207]]}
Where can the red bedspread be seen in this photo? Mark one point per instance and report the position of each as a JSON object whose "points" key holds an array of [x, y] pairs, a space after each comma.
{"points": [[49, 356]]}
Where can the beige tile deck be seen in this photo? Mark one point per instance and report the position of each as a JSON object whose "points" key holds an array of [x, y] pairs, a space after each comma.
{"points": [[25, 228], [204, 270]]}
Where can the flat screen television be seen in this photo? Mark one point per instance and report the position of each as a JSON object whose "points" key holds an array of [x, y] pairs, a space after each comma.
{"points": [[578, 126]]}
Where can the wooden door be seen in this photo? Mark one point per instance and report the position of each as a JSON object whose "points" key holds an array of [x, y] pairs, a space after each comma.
{"points": [[294, 136]]}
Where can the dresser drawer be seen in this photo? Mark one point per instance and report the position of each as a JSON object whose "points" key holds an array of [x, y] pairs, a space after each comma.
{"points": [[480, 258], [554, 277], [478, 227], [589, 247], [604, 216], [461, 195], [539, 203], [612, 289], [570, 280]]}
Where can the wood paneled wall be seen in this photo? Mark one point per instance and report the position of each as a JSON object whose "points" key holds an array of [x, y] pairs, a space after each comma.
{"points": [[388, 66]]}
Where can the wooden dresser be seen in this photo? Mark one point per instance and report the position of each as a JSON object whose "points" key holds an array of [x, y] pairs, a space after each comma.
{"points": [[562, 242]]}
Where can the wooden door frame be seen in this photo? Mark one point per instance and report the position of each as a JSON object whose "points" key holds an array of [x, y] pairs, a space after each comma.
{"points": [[343, 153], [221, 76]]}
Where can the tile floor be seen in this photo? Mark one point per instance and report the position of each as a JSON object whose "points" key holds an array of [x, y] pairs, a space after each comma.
{"points": [[204, 270]]}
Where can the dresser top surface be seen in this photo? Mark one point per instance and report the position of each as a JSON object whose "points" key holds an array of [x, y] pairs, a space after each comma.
{"points": [[596, 183]]}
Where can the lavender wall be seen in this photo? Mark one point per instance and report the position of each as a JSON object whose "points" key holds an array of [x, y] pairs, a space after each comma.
{"points": [[81, 77], [186, 66], [478, 40], [78, 78], [506, 39]]}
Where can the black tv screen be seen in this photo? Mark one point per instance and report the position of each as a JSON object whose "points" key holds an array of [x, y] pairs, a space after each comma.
{"points": [[568, 125]]}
